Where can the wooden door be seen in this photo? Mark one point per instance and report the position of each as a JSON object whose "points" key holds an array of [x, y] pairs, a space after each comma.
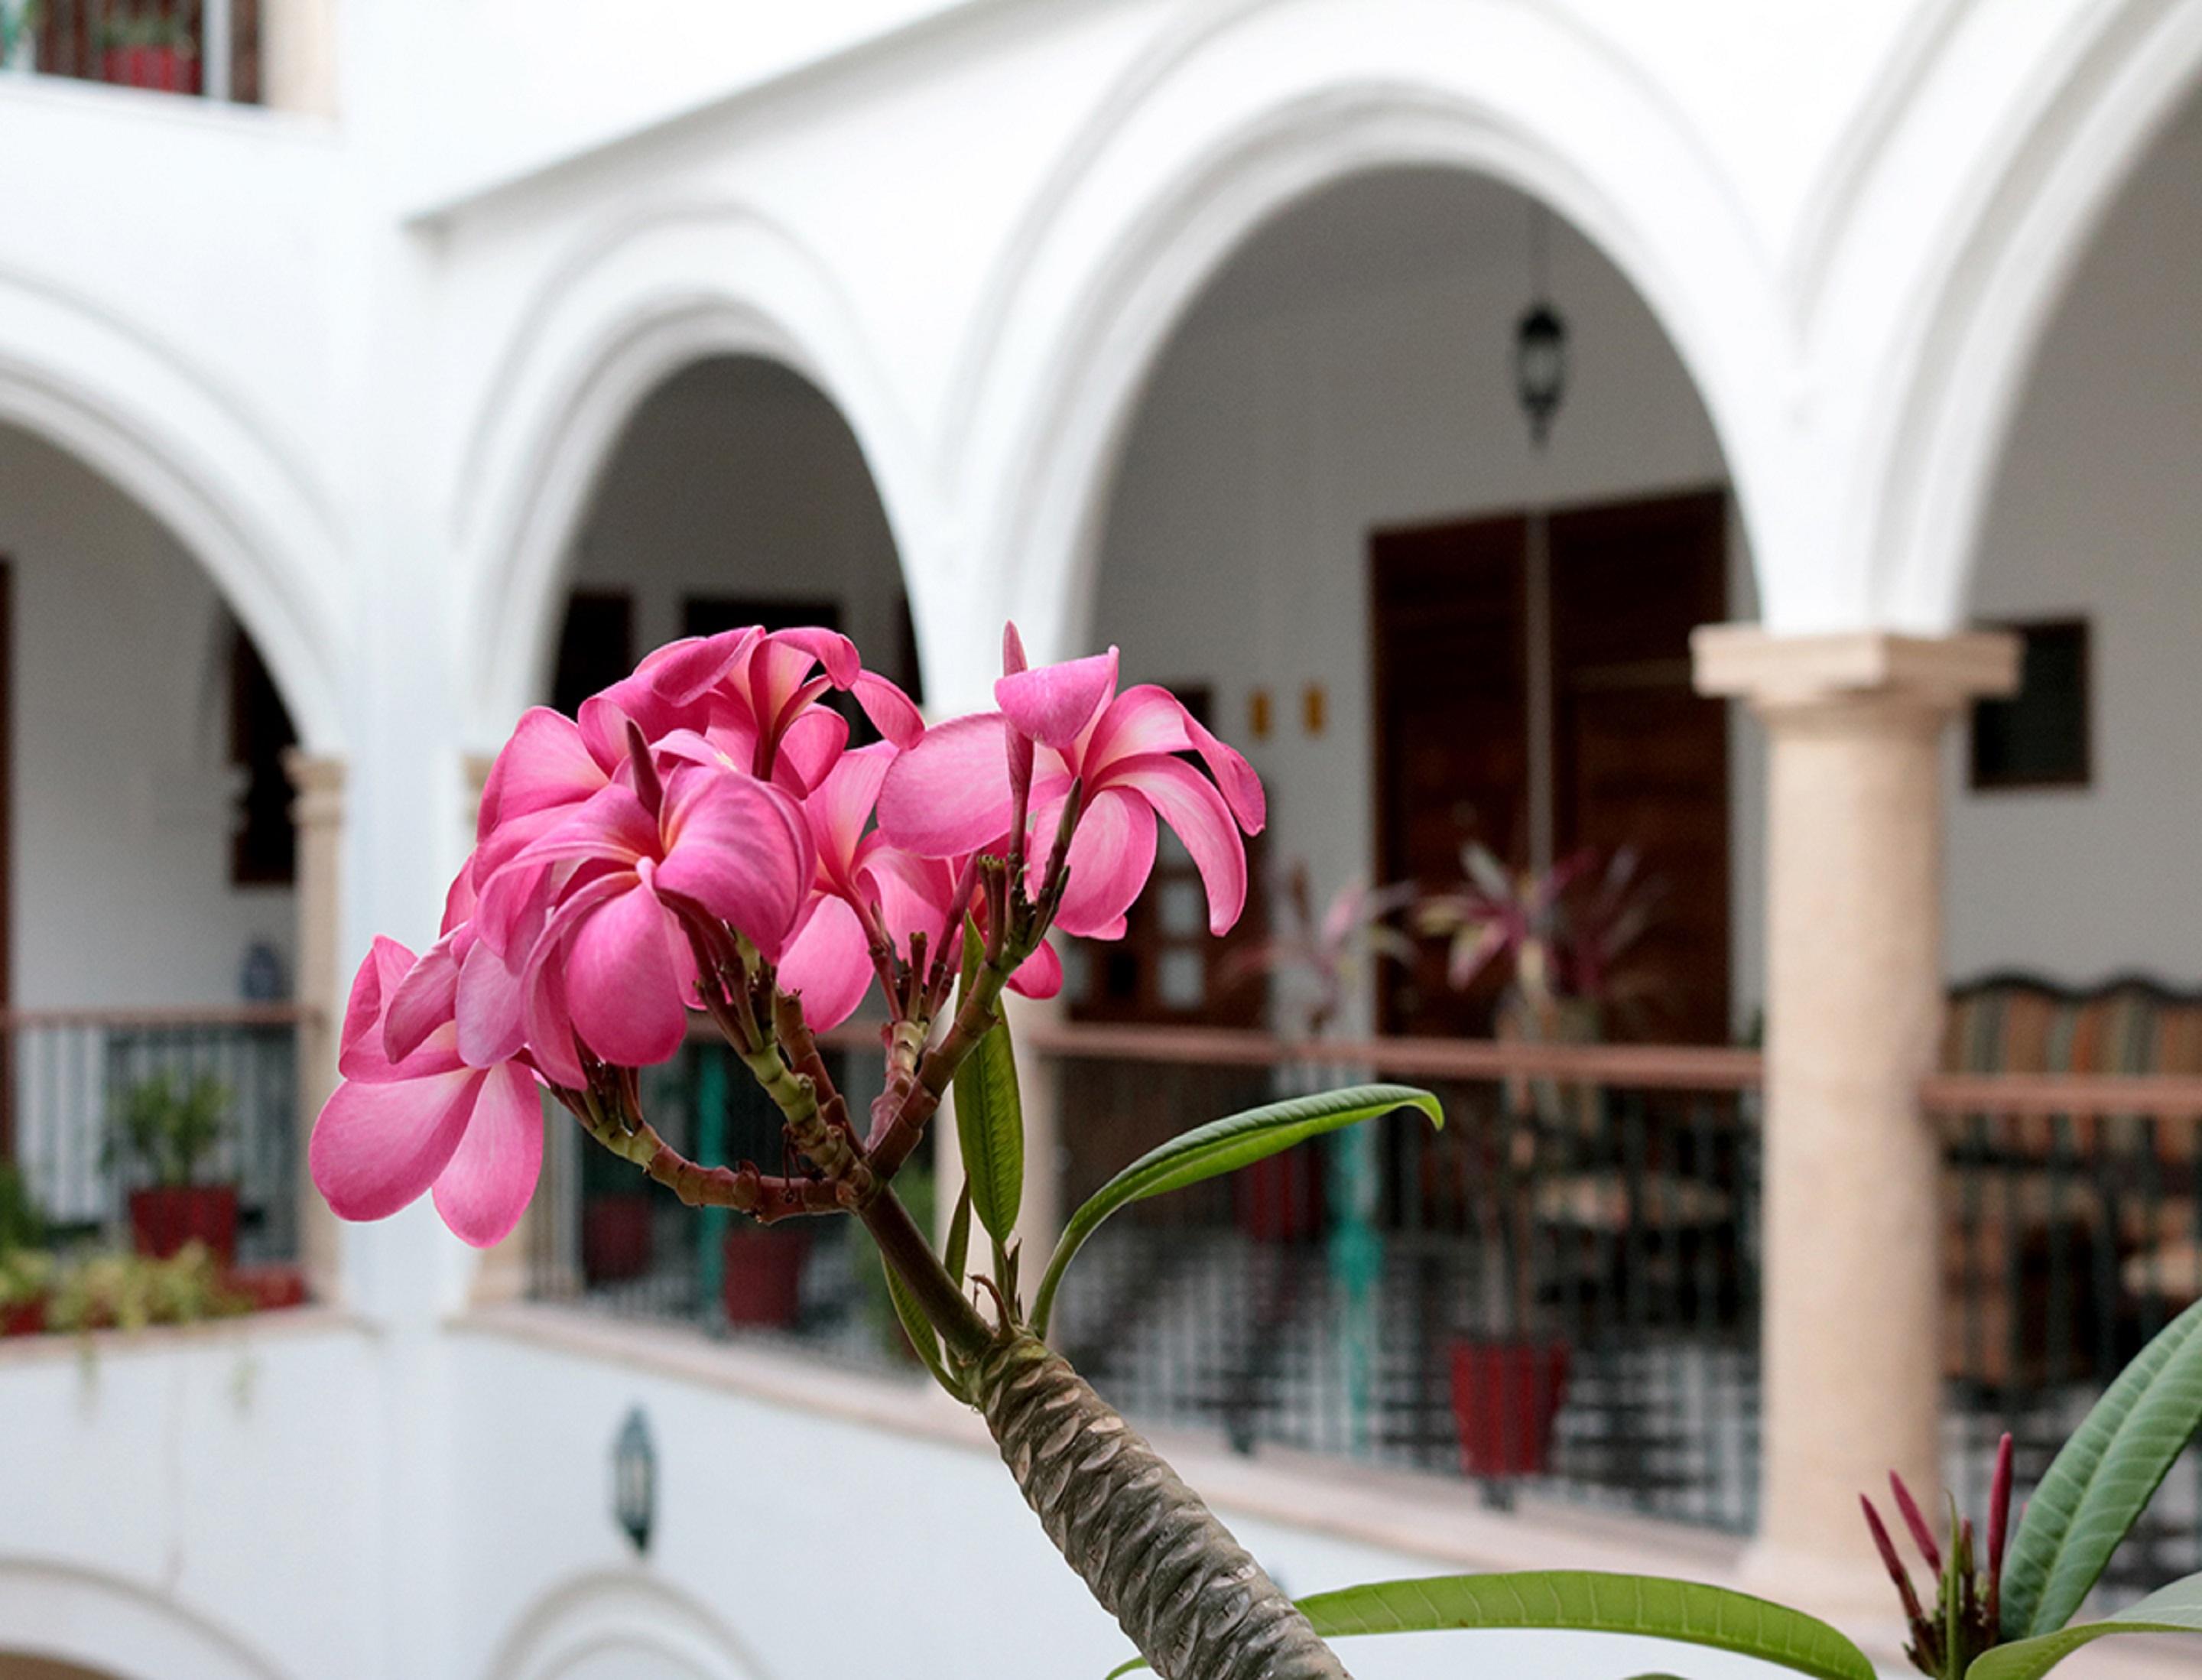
{"points": [[1637, 758]]}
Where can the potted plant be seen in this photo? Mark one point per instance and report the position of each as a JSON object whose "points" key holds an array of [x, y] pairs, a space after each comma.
{"points": [[129, 1292], [26, 1269], [762, 1283], [159, 52], [1558, 937], [170, 1127]]}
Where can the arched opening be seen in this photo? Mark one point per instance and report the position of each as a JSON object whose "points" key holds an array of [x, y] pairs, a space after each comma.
{"points": [[1330, 527], [152, 1078], [2073, 944], [738, 494]]}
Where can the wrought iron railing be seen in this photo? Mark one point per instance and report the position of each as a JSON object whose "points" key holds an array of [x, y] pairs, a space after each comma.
{"points": [[2073, 1233], [144, 1127], [207, 47], [605, 1238], [1559, 1290]]}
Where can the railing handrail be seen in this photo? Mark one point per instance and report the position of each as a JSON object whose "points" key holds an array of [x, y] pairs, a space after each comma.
{"points": [[178, 1015], [2159, 1096], [1644, 1066]]}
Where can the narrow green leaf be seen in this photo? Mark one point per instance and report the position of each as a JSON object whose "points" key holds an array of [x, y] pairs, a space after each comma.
{"points": [[1581, 1602], [959, 1236], [1220, 1147], [2176, 1609], [2103, 1480], [990, 1129], [918, 1328]]}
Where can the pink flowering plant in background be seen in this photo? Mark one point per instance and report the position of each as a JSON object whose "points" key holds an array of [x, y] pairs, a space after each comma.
{"points": [[701, 844]]}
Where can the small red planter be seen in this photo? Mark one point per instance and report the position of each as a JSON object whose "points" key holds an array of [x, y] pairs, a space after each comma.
{"points": [[615, 1236], [162, 1220], [269, 1288], [1506, 1395], [27, 1318], [1280, 1197], [764, 1281], [162, 69]]}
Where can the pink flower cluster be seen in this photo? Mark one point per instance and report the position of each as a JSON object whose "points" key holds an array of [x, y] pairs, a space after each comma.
{"points": [[712, 799]]}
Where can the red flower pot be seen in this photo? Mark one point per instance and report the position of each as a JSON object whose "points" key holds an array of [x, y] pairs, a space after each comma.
{"points": [[163, 1219], [763, 1279], [615, 1235], [162, 69], [1506, 1395], [1280, 1197], [25, 1319], [269, 1288]]}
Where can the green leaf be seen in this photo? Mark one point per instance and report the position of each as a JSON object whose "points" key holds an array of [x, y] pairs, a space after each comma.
{"points": [[2176, 1609], [1582, 1601], [959, 1236], [2103, 1480], [918, 1328], [1221, 1146], [990, 1129]]}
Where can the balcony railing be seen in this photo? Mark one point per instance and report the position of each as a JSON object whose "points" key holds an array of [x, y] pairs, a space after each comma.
{"points": [[2073, 1233], [205, 47], [99, 1108], [1559, 1290]]}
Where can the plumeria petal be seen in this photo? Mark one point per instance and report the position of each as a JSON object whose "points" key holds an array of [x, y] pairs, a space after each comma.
{"points": [[1040, 975], [492, 1024], [1188, 802], [839, 807], [424, 1000], [1234, 778], [1053, 704], [828, 964], [545, 766], [949, 795], [741, 850], [1111, 855], [893, 712], [483, 1187], [376, 1147], [361, 1052], [623, 981], [813, 741]]}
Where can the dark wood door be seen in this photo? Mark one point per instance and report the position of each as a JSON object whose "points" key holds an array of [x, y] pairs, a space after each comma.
{"points": [[1637, 758]]}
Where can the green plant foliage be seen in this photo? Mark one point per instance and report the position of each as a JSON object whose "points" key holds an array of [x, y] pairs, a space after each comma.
{"points": [[2103, 1480], [990, 1131], [21, 1225], [130, 1291], [924, 1339], [2176, 1609], [25, 1276], [1583, 1602], [959, 1236], [1220, 1147], [170, 1126]]}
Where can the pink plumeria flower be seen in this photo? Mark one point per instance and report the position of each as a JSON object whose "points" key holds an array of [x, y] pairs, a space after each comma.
{"points": [[428, 1118], [951, 791], [613, 962]]}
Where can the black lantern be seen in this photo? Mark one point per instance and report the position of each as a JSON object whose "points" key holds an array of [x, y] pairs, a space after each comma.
{"points": [[634, 1479], [1540, 366]]}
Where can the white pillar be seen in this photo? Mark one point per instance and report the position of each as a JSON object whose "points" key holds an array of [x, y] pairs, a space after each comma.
{"points": [[317, 812], [1851, 1352], [298, 56]]}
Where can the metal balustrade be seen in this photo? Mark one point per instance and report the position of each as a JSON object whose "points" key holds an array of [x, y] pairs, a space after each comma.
{"points": [[70, 1081], [1557, 1292], [209, 48], [2073, 1233]]}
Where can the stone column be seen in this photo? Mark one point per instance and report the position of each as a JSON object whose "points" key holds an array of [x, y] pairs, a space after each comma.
{"points": [[317, 812], [298, 56], [1851, 1352]]}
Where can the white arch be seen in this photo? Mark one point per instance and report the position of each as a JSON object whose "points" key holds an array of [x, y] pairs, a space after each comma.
{"points": [[1262, 104], [93, 384], [102, 1621], [607, 1611], [2045, 180], [640, 300]]}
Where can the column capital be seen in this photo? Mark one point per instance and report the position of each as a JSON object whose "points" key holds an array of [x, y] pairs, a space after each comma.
{"points": [[1781, 673], [317, 780]]}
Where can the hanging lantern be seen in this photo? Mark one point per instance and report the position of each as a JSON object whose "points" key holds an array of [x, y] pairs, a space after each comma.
{"points": [[1540, 366], [634, 1480]]}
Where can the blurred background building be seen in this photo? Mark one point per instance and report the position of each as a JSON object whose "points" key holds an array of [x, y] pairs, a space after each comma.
{"points": [[1722, 478]]}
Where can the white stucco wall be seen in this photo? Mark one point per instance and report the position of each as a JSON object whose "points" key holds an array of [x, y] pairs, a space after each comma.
{"points": [[2097, 512], [124, 796]]}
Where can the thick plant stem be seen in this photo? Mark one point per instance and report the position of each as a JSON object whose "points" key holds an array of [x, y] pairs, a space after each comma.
{"points": [[1192, 1598]]}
